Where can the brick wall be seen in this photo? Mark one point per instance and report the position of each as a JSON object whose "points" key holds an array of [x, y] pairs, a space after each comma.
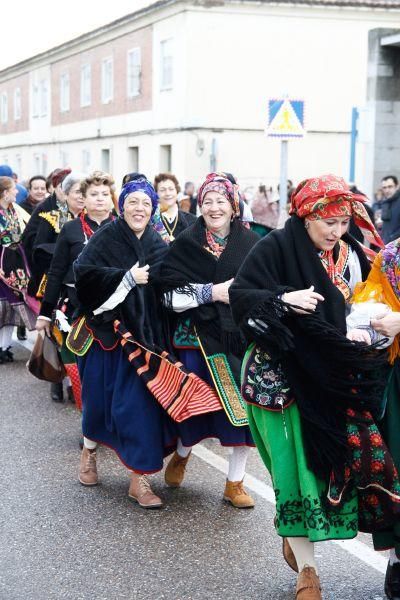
{"points": [[120, 104]]}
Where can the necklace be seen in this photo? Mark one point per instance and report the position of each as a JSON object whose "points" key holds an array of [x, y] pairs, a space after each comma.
{"points": [[12, 229], [170, 227], [87, 230]]}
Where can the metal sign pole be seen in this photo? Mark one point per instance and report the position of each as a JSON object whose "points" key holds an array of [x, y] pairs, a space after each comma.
{"points": [[283, 177]]}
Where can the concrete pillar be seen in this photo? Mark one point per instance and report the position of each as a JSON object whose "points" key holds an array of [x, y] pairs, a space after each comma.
{"points": [[382, 132]]}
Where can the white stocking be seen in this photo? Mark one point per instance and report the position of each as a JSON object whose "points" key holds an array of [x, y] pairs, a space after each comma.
{"points": [[303, 550], [6, 336], [89, 444], [237, 463], [182, 450]]}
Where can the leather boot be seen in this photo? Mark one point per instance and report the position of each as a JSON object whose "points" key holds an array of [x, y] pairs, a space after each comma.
{"points": [[236, 494], [21, 332], [288, 555], [56, 392], [392, 581], [308, 586], [141, 492], [88, 467], [175, 471]]}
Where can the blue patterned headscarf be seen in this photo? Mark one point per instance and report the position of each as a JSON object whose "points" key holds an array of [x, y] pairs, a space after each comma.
{"points": [[138, 184]]}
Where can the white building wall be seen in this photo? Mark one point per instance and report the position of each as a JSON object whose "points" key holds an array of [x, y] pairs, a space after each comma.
{"points": [[227, 62]]}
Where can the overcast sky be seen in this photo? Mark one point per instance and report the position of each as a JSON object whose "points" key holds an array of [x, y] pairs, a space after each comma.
{"points": [[32, 26]]}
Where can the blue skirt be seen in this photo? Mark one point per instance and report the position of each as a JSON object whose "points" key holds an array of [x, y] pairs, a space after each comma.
{"points": [[213, 424], [119, 411]]}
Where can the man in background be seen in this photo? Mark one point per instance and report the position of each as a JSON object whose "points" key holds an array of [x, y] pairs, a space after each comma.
{"points": [[390, 208]]}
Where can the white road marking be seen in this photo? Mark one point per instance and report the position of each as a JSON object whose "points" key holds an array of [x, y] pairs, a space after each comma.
{"points": [[354, 547], [28, 344]]}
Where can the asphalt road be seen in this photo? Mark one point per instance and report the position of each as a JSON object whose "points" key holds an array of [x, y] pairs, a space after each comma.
{"points": [[60, 540]]}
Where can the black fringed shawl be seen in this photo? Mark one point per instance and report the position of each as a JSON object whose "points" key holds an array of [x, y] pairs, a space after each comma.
{"points": [[190, 262], [327, 373], [109, 254]]}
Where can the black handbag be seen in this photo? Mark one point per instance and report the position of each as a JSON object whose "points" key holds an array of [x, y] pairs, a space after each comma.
{"points": [[45, 360]]}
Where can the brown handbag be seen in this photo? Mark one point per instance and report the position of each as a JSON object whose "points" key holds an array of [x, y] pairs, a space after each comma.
{"points": [[45, 360]]}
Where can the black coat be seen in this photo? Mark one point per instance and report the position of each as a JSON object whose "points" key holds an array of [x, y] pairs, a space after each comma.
{"points": [[391, 218], [29, 235], [69, 245], [100, 268]]}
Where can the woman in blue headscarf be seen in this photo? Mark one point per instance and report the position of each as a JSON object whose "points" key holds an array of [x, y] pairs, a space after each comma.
{"points": [[115, 276]]}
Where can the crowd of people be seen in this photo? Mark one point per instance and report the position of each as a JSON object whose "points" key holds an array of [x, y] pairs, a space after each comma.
{"points": [[182, 317]]}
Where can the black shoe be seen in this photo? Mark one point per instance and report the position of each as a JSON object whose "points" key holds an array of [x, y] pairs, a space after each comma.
{"points": [[70, 394], [21, 332], [392, 581], [8, 355], [2, 356], [56, 392]]}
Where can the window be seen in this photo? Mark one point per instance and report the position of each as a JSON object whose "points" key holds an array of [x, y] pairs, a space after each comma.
{"points": [[18, 164], [165, 159], [107, 80], [133, 157], [44, 164], [105, 160], [64, 92], [17, 104], [35, 100], [43, 98], [85, 161], [133, 72], [4, 107], [86, 85], [38, 163], [166, 65]]}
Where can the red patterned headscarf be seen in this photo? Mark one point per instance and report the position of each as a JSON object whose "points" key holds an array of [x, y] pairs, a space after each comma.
{"points": [[330, 196], [218, 182]]}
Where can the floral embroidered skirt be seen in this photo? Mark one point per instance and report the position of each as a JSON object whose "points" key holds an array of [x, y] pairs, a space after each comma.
{"points": [[389, 426], [302, 508]]}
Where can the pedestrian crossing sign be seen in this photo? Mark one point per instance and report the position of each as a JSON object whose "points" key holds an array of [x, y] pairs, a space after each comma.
{"points": [[285, 118]]}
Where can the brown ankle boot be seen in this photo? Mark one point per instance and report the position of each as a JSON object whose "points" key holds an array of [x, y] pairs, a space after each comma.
{"points": [[175, 471], [237, 495], [141, 492], [288, 555], [88, 468], [308, 586]]}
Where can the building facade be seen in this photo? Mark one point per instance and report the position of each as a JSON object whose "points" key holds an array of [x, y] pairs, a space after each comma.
{"points": [[183, 85]]}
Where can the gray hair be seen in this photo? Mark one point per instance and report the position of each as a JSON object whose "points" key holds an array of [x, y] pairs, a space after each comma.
{"points": [[71, 180]]}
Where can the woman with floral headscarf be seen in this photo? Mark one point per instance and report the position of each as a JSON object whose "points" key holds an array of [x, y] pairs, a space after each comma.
{"points": [[196, 276], [114, 279], [312, 394]]}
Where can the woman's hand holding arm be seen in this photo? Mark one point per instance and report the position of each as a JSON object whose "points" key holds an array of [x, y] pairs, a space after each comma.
{"points": [[140, 274], [303, 299], [387, 324], [220, 291]]}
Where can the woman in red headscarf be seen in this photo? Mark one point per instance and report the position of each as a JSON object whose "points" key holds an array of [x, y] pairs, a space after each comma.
{"points": [[312, 394]]}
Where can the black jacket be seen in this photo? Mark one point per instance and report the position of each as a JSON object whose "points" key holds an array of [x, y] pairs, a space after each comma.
{"points": [[391, 218], [69, 245]]}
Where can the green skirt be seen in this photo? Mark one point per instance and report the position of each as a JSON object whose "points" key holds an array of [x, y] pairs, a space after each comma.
{"points": [[389, 427], [302, 508]]}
